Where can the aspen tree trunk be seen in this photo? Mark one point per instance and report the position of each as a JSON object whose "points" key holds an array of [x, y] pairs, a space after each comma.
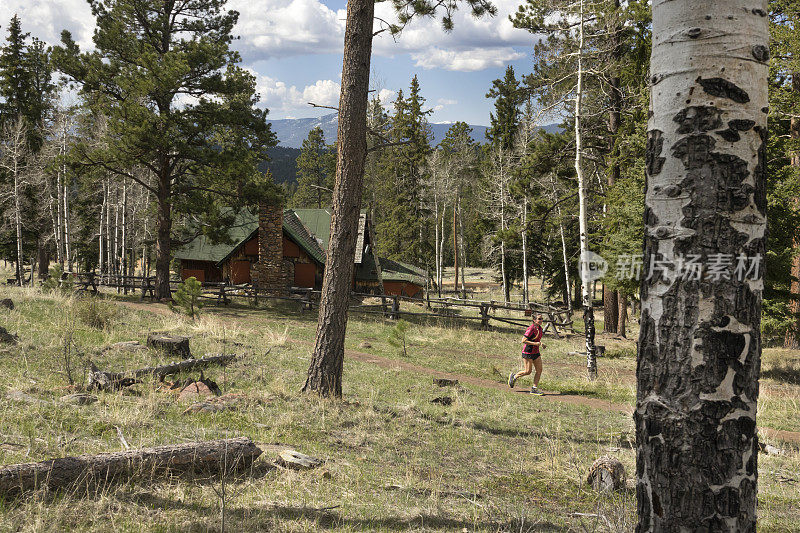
{"points": [[67, 250], [792, 338], [611, 299], [163, 237], [124, 237], [567, 286], [700, 343], [461, 248], [59, 218], [502, 185], [586, 286], [109, 256], [65, 196], [100, 257], [53, 223], [525, 251], [455, 247], [437, 257], [18, 224], [325, 370], [441, 250]]}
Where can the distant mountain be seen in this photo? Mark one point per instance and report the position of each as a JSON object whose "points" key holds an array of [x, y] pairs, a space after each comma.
{"points": [[292, 132]]}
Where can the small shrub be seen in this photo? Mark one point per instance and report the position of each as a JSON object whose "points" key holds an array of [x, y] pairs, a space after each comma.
{"points": [[95, 313], [54, 282], [397, 336], [188, 295]]}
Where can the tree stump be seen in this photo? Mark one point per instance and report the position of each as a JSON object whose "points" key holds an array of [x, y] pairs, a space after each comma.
{"points": [[207, 456], [170, 344], [8, 303], [606, 474], [6, 337]]}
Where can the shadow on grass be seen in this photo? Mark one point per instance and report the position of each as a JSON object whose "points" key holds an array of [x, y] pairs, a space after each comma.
{"points": [[784, 374], [263, 517]]}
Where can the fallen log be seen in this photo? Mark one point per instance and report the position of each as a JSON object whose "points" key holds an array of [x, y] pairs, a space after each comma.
{"points": [[101, 380], [216, 456]]}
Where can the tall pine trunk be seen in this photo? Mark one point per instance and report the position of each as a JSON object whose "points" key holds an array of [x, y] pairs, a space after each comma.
{"points": [[325, 370], [700, 343]]}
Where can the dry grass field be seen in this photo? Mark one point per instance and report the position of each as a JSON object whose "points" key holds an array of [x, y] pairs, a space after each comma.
{"points": [[481, 457]]}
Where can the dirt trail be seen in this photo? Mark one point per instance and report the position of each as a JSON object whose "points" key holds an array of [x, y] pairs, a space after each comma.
{"points": [[572, 399]]}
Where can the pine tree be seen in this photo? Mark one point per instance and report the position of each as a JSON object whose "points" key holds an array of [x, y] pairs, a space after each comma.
{"points": [[505, 119], [315, 169], [325, 370], [202, 153], [401, 224], [784, 115], [15, 78]]}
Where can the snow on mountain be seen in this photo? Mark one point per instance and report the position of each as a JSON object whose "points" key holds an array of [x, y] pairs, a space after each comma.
{"points": [[292, 131]]}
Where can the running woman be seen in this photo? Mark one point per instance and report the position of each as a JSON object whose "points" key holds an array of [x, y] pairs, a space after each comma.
{"points": [[531, 358]]}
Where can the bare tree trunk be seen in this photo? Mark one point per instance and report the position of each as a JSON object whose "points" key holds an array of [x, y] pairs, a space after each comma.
{"points": [[455, 247], [109, 255], [525, 250], [67, 250], [18, 223], [59, 222], [700, 341], [100, 257], [611, 298], [437, 256], [325, 370], [792, 338], [461, 247], [124, 237], [441, 251], [163, 236], [586, 295], [622, 319]]}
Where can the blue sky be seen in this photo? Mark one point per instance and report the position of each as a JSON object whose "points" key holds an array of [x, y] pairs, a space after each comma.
{"points": [[294, 49]]}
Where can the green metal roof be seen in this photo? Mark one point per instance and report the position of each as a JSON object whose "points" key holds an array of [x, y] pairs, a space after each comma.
{"points": [[306, 227], [202, 249], [244, 228], [318, 222], [299, 234], [390, 270]]}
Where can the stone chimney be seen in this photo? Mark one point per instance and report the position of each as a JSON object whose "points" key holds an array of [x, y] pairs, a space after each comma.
{"points": [[269, 272]]}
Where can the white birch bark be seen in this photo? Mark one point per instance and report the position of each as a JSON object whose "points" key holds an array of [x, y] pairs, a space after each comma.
{"points": [[700, 344], [524, 234], [586, 295]]}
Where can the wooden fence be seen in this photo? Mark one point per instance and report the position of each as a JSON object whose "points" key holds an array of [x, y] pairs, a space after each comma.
{"points": [[555, 319]]}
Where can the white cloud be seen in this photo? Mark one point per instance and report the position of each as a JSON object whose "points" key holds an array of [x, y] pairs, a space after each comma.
{"points": [[45, 19], [280, 28], [447, 101], [287, 100], [387, 96], [465, 60]]}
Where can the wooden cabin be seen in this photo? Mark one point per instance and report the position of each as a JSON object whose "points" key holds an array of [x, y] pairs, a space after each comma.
{"points": [[256, 253]]}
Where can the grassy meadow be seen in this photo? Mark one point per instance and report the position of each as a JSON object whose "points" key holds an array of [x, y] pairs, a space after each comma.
{"points": [[493, 460]]}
